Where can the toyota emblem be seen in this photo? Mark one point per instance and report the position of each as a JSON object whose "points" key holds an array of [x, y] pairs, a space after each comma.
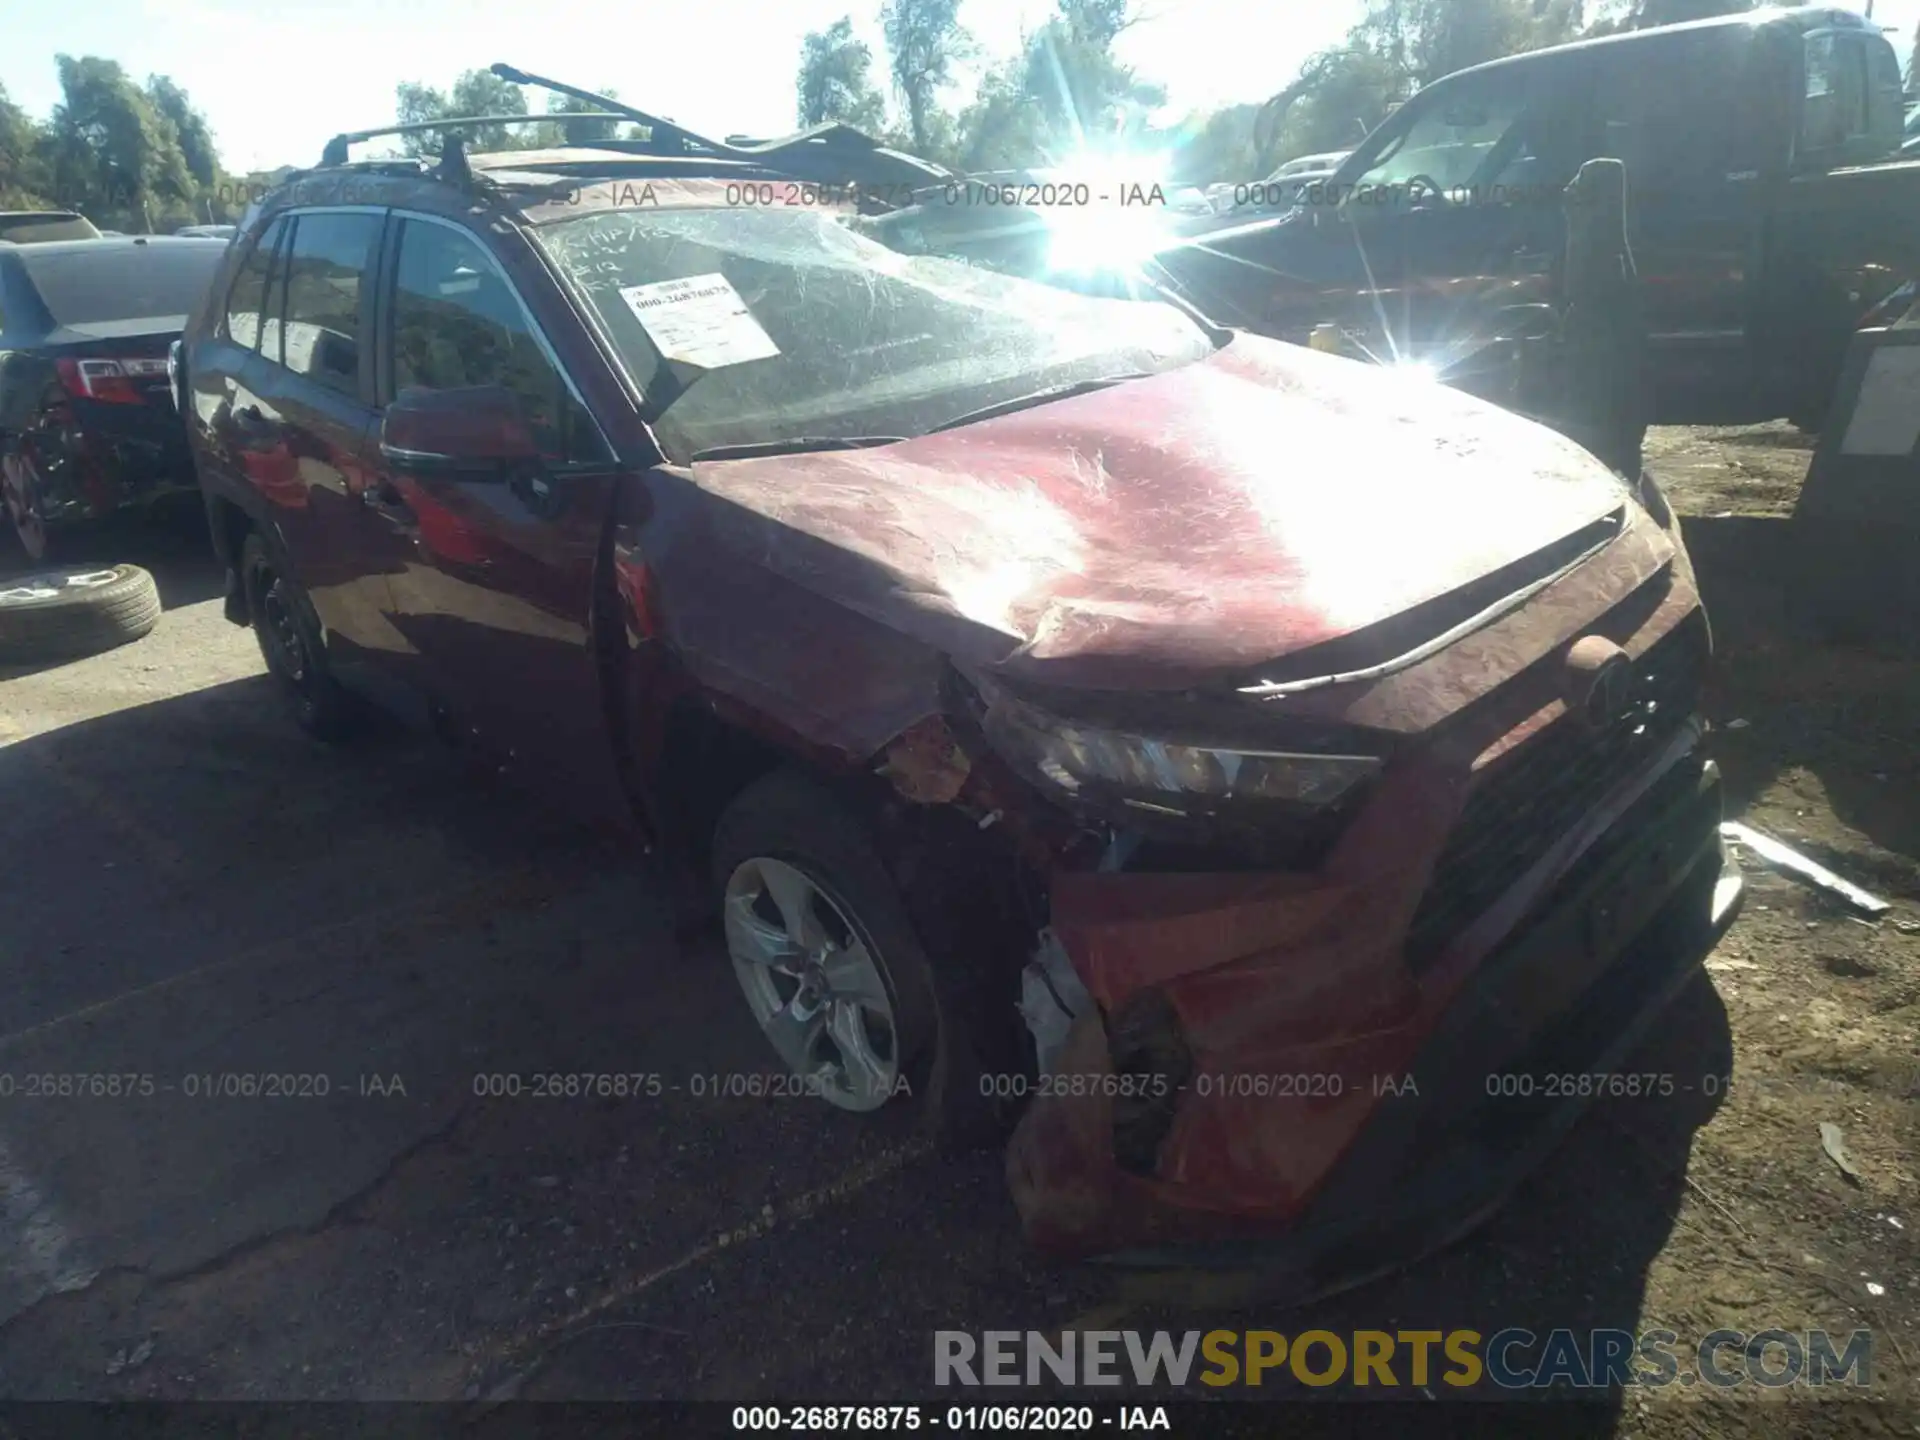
{"points": [[1599, 680]]}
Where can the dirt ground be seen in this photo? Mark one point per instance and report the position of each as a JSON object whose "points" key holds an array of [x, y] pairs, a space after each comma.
{"points": [[193, 888]]}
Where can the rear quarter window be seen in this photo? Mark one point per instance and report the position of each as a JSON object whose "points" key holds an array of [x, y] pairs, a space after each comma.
{"points": [[123, 282]]}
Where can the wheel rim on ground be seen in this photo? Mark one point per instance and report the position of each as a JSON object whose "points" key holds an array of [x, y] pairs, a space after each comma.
{"points": [[50, 583], [19, 488], [815, 982]]}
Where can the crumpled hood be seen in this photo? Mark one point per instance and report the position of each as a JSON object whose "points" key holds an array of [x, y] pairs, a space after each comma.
{"points": [[1218, 516]]}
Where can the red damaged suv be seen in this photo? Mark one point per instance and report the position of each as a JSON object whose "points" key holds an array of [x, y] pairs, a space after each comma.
{"points": [[1229, 762]]}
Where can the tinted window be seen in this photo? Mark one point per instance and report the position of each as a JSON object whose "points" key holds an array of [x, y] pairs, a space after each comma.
{"points": [[1448, 140], [457, 323], [27, 228], [94, 284], [1678, 112], [249, 286], [326, 266]]}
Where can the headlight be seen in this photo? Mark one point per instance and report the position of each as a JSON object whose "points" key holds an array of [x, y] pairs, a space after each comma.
{"points": [[1162, 775]]}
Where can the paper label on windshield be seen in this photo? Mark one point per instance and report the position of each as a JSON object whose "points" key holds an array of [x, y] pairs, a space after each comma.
{"points": [[700, 321]]}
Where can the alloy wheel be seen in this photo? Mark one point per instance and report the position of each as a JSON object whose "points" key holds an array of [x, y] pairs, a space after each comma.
{"points": [[816, 983]]}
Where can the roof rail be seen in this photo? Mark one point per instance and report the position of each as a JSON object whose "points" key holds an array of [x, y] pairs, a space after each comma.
{"points": [[336, 151], [828, 153]]}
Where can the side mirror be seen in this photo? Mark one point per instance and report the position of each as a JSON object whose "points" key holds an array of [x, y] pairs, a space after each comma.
{"points": [[476, 432]]}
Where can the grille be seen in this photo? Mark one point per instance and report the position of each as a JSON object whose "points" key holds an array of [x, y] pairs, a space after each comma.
{"points": [[1535, 793]]}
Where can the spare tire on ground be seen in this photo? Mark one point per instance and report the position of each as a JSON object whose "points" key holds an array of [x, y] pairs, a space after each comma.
{"points": [[66, 613]]}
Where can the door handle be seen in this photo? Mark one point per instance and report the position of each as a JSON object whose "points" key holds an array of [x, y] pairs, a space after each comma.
{"points": [[252, 425], [382, 498]]}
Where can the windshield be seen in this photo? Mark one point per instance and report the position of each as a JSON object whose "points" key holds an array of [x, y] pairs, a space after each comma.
{"points": [[118, 281], [1449, 139], [791, 323]]}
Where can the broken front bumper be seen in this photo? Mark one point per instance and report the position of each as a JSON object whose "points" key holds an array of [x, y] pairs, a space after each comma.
{"points": [[1349, 1147]]}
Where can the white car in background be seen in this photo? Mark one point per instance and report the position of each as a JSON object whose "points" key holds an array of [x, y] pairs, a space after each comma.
{"points": [[1280, 189]]}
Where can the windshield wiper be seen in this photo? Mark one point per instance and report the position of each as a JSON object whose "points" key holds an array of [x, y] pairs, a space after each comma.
{"points": [[1038, 397], [798, 445]]}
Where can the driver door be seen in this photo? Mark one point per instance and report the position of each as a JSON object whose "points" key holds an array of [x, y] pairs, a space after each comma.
{"points": [[497, 594], [1464, 218]]}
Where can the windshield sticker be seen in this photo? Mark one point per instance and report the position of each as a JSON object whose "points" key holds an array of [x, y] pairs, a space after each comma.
{"points": [[699, 321]]}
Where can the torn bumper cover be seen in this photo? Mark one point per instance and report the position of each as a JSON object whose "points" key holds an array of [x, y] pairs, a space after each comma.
{"points": [[1271, 1082]]}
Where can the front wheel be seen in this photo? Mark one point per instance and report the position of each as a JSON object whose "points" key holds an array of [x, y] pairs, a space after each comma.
{"points": [[290, 644], [822, 947]]}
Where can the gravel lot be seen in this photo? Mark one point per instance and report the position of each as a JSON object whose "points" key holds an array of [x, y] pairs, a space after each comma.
{"points": [[192, 890]]}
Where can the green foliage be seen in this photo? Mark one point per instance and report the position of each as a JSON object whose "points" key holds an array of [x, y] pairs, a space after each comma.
{"points": [[925, 42], [26, 173], [576, 132], [189, 128], [835, 80], [126, 157], [476, 92]]}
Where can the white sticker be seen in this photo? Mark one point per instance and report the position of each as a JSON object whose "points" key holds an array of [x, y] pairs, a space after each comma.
{"points": [[699, 321], [1886, 413]]}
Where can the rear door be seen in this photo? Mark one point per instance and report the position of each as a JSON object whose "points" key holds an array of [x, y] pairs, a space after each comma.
{"points": [[220, 375], [307, 427], [498, 591]]}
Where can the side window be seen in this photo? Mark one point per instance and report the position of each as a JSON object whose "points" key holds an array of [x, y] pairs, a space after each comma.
{"points": [[1673, 114], [326, 266], [245, 300], [456, 323], [1836, 94]]}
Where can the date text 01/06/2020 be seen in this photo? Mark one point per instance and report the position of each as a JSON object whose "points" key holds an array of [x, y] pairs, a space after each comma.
{"points": [[1041, 1419], [198, 1085], [651, 1085]]}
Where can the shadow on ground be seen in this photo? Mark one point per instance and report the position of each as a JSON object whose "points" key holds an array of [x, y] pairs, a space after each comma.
{"points": [[1786, 698]]}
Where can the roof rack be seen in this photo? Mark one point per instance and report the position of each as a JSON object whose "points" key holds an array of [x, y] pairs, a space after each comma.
{"points": [[336, 151], [832, 153]]}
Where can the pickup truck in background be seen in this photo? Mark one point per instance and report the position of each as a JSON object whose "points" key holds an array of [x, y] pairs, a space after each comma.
{"points": [[1769, 211]]}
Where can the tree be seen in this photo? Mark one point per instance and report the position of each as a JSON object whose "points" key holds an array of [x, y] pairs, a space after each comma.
{"points": [[1063, 92], [1218, 147], [925, 40], [1077, 87], [112, 153], [835, 81], [576, 132], [1622, 15], [1648, 13], [189, 128], [26, 179], [476, 92]]}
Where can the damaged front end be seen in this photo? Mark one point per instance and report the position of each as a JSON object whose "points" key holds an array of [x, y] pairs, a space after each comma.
{"points": [[1290, 954]]}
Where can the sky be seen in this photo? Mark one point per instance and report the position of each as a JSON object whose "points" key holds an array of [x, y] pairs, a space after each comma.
{"points": [[277, 78]]}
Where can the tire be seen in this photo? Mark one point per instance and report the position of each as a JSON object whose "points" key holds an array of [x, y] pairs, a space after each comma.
{"points": [[290, 643], [787, 821], [62, 614], [20, 499]]}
